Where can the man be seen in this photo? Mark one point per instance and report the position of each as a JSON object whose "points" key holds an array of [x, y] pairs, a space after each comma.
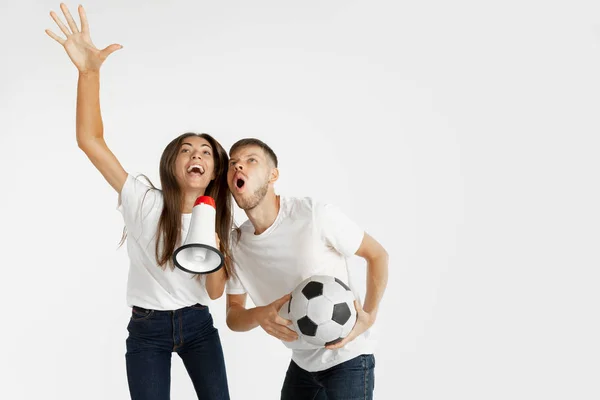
{"points": [[285, 241]]}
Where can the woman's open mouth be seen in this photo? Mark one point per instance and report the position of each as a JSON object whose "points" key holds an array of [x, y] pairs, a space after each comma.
{"points": [[195, 170]]}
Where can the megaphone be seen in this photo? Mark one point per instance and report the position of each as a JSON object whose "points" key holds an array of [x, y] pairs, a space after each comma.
{"points": [[199, 253]]}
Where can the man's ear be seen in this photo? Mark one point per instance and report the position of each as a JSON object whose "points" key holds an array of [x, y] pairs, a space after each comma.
{"points": [[274, 175]]}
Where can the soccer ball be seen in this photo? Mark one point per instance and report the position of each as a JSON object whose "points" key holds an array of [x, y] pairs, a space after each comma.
{"points": [[322, 310]]}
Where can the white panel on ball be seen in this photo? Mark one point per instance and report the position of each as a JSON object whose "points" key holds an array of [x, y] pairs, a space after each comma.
{"points": [[320, 310], [298, 306], [328, 332], [335, 292]]}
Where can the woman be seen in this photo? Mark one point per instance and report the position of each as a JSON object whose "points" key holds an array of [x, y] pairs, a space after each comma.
{"points": [[169, 306]]}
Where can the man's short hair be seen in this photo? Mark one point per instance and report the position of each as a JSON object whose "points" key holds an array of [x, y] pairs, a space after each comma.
{"points": [[255, 142]]}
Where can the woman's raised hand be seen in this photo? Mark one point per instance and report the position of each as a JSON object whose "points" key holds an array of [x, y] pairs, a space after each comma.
{"points": [[78, 43]]}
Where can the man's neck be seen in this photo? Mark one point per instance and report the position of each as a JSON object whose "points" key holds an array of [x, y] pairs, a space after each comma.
{"points": [[265, 213]]}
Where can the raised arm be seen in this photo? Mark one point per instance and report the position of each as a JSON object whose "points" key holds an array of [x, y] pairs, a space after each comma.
{"points": [[88, 59]]}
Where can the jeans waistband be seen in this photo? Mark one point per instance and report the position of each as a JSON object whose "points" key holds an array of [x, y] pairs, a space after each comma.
{"points": [[142, 309]]}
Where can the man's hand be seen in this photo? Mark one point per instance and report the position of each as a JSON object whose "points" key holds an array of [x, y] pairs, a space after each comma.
{"points": [[364, 321], [269, 319]]}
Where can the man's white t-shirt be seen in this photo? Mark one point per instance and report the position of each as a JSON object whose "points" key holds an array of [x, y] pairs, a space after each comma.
{"points": [[307, 238], [148, 285]]}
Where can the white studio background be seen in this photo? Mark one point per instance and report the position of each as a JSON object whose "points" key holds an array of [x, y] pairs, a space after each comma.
{"points": [[462, 135]]}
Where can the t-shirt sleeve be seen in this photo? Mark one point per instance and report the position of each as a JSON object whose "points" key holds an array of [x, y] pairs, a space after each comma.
{"points": [[337, 230], [234, 285], [136, 201]]}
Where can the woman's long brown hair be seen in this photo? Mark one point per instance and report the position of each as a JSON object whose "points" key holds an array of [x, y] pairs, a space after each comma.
{"points": [[169, 224]]}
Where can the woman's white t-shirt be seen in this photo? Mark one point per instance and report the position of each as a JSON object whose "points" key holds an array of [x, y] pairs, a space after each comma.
{"points": [[148, 285]]}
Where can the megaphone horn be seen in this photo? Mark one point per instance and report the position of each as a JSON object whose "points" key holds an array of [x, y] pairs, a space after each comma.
{"points": [[199, 253]]}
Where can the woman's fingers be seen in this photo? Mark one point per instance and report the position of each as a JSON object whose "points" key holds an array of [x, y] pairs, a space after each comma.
{"points": [[55, 37], [69, 18], [85, 27], [62, 26]]}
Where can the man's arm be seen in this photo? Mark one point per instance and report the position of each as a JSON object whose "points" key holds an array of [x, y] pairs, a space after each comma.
{"points": [[241, 319], [377, 273], [377, 276]]}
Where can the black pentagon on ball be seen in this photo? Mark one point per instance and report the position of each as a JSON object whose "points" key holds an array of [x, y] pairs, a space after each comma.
{"points": [[334, 341], [342, 284], [307, 327], [341, 313], [312, 289]]}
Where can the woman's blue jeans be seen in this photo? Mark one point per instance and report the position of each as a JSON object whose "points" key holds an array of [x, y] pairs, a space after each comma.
{"points": [[154, 335]]}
